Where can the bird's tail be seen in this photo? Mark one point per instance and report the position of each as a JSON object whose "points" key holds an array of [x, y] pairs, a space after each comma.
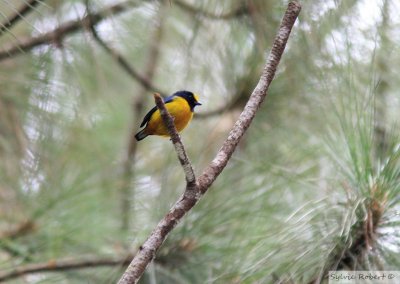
{"points": [[141, 135]]}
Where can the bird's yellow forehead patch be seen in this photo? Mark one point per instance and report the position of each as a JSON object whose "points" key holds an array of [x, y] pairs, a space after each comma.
{"points": [[196, 97]]}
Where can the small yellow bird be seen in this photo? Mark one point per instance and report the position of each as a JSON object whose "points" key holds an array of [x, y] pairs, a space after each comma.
{"points": [[180, 105]]}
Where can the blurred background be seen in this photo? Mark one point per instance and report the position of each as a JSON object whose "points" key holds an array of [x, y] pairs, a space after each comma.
{"points": [[313, 186]]}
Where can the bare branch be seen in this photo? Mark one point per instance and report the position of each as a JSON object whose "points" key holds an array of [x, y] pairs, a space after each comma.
{"points": [[236, 13], [18, 15], [191, 195], [176, 140], [56, 35], [65, 264]]}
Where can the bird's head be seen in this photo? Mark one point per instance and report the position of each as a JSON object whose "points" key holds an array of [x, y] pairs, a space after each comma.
{"points": [[191, 98]]}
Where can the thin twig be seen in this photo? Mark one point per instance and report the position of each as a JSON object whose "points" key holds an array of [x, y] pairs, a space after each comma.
{"points": [[18, 15], [191, 196], [65, 264], [176, 140], [55, 36]]}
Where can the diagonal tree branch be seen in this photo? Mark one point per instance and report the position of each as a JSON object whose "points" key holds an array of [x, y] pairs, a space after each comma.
{"points": [[65, 264], [56, 35], [18, 15], [191, 196]]}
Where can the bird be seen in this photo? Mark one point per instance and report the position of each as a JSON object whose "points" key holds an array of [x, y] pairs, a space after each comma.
{"points": [[180, 105]]}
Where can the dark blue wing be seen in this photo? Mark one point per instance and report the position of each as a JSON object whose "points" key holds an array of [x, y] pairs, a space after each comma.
{"points": [[153, 110]]}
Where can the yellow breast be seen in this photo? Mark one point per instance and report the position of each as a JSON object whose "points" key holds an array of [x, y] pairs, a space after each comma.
{"points": [[179, 110]]}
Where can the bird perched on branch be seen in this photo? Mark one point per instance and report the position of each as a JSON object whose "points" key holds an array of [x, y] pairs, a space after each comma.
{"points": [[180, 105]]}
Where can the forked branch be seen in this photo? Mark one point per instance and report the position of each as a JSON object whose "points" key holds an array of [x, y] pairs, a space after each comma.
{"points": [[193, 193]]}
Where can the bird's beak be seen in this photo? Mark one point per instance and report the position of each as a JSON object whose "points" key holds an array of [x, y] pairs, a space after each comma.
{"points": [[196, 100]]}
